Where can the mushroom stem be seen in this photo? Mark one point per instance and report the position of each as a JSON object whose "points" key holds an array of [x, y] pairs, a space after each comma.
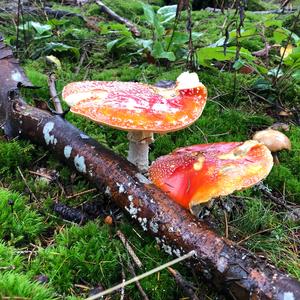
{"points": [[139, 148]]}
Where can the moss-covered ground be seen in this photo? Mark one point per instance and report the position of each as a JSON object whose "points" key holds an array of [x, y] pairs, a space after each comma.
{"points": [[43, 256]]}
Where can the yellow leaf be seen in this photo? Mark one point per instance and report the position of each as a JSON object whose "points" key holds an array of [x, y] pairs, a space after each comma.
{"points": [[287, 52], [54, 60]]}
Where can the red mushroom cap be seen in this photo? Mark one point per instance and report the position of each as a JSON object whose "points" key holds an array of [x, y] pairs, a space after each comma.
{"points": [[199, 173], [136, 106]]}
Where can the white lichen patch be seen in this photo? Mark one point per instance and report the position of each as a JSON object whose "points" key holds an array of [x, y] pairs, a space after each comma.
{"points": [[167, 248], [130, 198], [143, 222], [48, 137], [121, 188], [288, 296], [222, 264], [84, 136], [177, 252], [153, 226], [67, 151], [107, 191], [132, 210], [16, 76], [142, 179], [80, 163]]}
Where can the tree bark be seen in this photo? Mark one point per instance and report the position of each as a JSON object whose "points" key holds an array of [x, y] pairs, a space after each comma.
{"points": [[229, 267]]}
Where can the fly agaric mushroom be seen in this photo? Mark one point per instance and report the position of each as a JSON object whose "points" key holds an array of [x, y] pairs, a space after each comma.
{"points": [[200, 173], [139, 108], [274, 140]]}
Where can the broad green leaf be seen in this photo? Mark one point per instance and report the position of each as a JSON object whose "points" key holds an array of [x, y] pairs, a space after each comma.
{"points": [[238, 64], [39, 28], [56, 22], [282, 34], [60, 47], [262, 85], [159, 29], [146, 44], [207, 54], [196, 35], [178, 38], [159, 52], [118, 43], [167, 13], [269, 23], [296, 75], [149, 14]]}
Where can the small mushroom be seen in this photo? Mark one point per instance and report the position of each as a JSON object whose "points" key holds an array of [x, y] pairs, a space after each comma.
{"points": [[200, 173], [274, 140], [139, 108]]}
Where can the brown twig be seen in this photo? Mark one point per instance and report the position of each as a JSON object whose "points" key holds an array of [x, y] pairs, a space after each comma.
{"points": [[132, 27], [137, 283], [134, 257], [187, 287], [81, 193], [53, 93], [29, 189]]}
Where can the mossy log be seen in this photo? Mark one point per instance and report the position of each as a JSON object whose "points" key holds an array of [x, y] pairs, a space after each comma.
{"points": [[229, 267]]}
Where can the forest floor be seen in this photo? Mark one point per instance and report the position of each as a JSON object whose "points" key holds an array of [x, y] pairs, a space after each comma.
{"points": [[44, 256]]}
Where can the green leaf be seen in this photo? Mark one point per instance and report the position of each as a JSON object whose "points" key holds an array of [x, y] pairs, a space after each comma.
{"points": [[39, 28], [296, 75], [282, 34], [205, 55], [118, 43], [179, 38], [159, 52], [149, 14], [145, 44], [167, 13], [60, 47], [269, 23], [262, 85]]}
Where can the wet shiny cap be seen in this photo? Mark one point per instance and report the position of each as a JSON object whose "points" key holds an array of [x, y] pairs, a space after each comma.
{"points": [[199, 173], [137, 106]]}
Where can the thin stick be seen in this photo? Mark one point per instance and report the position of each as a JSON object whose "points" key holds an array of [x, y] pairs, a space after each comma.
{"points": [[29, 189], [82, 193], [139, 277], [137, 283], [123, 239], [53, 93]]}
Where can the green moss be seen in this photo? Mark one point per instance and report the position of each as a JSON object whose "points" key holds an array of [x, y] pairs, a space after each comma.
{"points": [[14, 285], [14, 154], [19, 223], [9, 259]]}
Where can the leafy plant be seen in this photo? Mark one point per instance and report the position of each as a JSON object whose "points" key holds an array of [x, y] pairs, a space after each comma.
{"points": [[161, 42]]}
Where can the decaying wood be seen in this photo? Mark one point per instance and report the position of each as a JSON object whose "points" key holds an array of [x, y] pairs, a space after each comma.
{"points": [[132, 27], [229, 267]]}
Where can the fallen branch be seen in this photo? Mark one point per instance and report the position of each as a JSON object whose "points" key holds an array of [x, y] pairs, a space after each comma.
{"points": [[132, 27], [228, 266], [53, 93]]}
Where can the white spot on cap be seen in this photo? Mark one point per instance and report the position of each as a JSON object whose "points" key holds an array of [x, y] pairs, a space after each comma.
{"points": [[187, 80], [49, 138], [79, 163], [67, 151]]}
